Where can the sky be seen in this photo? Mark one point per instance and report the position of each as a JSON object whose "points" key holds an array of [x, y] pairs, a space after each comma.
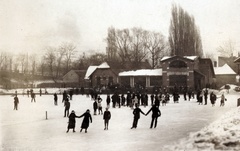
{"points": [[31, 26]]}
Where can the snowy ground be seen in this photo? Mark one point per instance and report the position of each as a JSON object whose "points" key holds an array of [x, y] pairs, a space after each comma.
{"points": [[27, 128]]}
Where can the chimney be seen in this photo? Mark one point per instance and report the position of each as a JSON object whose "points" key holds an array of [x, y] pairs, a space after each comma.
{"points": [[215, 63]]}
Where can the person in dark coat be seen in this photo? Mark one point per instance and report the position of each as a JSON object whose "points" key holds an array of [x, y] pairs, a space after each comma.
{"points": [[157, 101], [136, 117], [67, 107], [55, 98], [155, 114], [213, 98], [71, 93], [222, 103], [205, 96], [87, 118], [95, 107], [108, 100], [65, 96], [16, 102], [72, 121], [123, 99], [33, 97], [106, 118]]}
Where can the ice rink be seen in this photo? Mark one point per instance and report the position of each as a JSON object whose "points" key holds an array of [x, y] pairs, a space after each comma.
{"points": [[27, 128]]}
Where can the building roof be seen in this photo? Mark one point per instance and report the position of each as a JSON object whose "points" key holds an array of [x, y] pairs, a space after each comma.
{"points": [[142, 72], [224, 70], [89, 72], [187, 57], [104, 65]]}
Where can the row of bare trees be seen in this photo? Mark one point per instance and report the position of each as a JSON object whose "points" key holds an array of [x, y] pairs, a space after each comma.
{"points": [[135, 45]]}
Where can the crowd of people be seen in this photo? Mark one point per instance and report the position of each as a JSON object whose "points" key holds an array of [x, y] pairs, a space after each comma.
{"points": [[133, 100]]}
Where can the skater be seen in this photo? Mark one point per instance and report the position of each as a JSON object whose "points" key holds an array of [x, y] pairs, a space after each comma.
{"points": [[72, 121], [65, 96], [152, 98], [55, 98], [100, 105], [108, 100], [40, 92], [155, 114], [222, 103], [71, 93], [106, 118], [136, 117], [213, 98], [85, 123], [95, 107], [33, 96], [16, 102], [200, 97], [205, 96], [67, 107], [123, 99], [189, 94]]}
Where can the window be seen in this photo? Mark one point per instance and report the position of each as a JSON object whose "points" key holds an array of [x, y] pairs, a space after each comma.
{"points": [[98, 80], [178, 64]]}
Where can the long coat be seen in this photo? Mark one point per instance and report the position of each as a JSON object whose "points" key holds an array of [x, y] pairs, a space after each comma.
{"points": [[72, 121], [87, 117]]}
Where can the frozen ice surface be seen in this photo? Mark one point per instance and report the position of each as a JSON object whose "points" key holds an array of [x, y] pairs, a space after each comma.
{"points": [[27, 128]]}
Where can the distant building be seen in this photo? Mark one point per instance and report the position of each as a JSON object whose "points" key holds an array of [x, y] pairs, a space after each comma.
{"points": [[188, 71], [74, 78], [106, 74], [228, 60], [225, 75]]}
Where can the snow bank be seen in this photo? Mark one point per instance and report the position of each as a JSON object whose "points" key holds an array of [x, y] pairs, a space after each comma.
{"points": [[223, 134]]}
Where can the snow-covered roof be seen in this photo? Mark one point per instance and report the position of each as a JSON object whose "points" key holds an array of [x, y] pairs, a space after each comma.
{"points": [[104, 65], [188, 57], [225, 69], [90, 70], [142, 72]]}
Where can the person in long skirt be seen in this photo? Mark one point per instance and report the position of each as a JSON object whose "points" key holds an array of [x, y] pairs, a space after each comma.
{"points": [[106, 118], [72, 121], [86, 119]]}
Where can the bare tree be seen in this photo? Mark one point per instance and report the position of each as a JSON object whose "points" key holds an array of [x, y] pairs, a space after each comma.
{"points": [[227, 49], [138, 49], [69, 50], [156, 45], [123, 40], [22, 59], [33, 63], [60, 54], [50, 59], [111, 49]]}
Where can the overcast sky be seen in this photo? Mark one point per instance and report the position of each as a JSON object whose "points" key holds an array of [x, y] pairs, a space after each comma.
{"points": [[31, 25]]}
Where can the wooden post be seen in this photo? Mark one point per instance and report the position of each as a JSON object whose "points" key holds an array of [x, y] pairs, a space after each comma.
{"points": [[46, 115]]}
